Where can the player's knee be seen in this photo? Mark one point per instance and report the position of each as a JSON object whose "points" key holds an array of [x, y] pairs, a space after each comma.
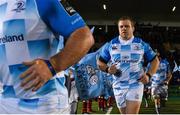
{"points": [[156, 96]]}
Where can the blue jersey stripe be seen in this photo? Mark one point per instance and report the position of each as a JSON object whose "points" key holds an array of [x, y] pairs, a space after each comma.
{"points": [[8, 91]]}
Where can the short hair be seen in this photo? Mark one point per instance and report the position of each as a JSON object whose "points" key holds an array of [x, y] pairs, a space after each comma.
{"points": [[127, 18]]}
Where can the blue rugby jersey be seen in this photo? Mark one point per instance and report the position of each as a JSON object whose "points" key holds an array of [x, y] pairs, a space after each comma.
{"points": [[160, 76], [129, 58], [27, 32]]}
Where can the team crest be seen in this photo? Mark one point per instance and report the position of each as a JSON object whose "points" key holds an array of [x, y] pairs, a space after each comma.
{"points": [[136, 47]]}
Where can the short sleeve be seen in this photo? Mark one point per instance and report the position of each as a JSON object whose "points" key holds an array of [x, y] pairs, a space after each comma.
{"points": [[104, 53], [148, 52], [60, 17]]}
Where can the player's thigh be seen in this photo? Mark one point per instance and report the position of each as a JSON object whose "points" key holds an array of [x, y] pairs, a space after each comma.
{"points": [[134, 99], [122, 110], [135, 93], [120, 97], [132, 107]]}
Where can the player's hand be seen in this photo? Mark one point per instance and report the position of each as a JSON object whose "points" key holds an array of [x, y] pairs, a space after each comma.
{"points": [[36, 75], [144, 79], [112, 69]]}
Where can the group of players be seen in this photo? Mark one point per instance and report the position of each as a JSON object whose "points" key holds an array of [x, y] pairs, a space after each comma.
{"points": [[156, 89], [32, 72]]}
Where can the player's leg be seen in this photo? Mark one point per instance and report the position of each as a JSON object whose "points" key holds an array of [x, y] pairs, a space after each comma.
{"points": [[120, 97], [134, 99], [132, 107], [145, 96], [156, 98]]}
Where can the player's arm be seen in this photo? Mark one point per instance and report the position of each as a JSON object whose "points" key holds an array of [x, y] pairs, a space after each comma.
{"points": [[76, 47], [103, 60], [154, 64], [66, 21], [169, 74], [79, 41], [102, 65], [151, 57]]}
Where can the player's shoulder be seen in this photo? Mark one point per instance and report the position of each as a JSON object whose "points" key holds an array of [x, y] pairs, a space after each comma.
{"points": [[47, 4], [115, 40], [137, 40]]}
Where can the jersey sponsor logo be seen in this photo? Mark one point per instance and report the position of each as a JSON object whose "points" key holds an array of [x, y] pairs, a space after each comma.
{"points": [[69, 9], [12, 38], [125, 57], [126, 61], [20, 6]]}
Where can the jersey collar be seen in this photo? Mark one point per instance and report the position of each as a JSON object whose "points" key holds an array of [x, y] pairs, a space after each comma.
{"points": [[125, 42]]}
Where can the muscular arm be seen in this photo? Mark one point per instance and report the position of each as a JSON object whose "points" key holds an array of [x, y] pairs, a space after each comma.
{"points": [[78, 44], [152, 70], [169, 76], [65, 23], [76, 47]]}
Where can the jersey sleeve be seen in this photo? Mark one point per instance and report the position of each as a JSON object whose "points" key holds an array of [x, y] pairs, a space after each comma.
{"points": [[60, 17], [104, 54], [148, 52]]}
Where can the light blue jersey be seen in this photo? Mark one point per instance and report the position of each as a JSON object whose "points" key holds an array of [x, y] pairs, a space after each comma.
{"points": [[161, 75], [128, 57], [27, 32]]}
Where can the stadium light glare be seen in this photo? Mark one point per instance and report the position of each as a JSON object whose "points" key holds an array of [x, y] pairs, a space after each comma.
{"points": [[104, 6], [174, 8]]}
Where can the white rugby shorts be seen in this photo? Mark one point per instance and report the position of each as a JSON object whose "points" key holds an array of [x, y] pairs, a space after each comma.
{"points": [[131, 94]]}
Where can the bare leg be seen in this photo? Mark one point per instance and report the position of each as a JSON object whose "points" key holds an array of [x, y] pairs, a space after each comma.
{"points": [[122, 110], [132, 107], [156, 103]]}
